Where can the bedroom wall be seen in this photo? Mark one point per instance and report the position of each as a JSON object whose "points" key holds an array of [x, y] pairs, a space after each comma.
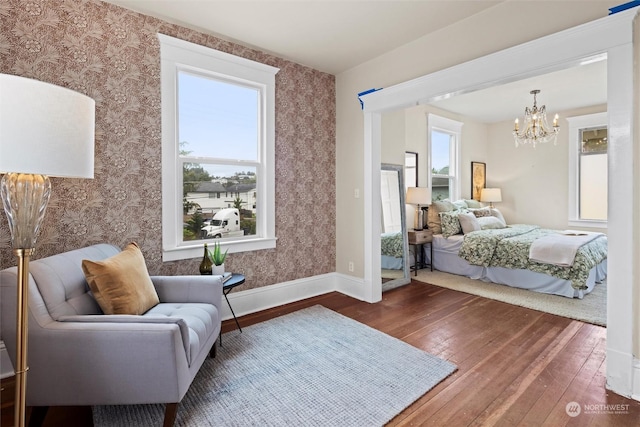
{"points": [[406, 130], [474, 142], [453, 45], [534, 182], [112, 55]]}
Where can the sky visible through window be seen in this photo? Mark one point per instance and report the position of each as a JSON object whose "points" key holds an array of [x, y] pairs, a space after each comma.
{"points": [[217, 120], [440, 157]]}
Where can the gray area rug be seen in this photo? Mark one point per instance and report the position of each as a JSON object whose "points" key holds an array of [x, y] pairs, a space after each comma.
{"points": [[591, 309], [313, 367]]}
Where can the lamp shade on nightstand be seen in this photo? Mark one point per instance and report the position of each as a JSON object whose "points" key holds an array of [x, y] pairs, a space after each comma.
{"points": [[491, 195]]}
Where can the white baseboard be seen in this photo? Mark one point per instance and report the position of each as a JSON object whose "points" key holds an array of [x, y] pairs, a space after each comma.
{"points": [[254, 300], [635, 393], [622, 373]]}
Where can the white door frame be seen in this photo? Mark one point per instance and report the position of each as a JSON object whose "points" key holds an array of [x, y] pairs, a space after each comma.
{"points": [[611, 36]]}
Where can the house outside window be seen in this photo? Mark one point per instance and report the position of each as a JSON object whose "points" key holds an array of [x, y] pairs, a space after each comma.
{"points": [[588, 170], [443, 146], [217, 138]]}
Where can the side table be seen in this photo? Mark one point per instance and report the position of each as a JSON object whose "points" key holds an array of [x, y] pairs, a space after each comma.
{"points": [[234, 281], [419, 238]]}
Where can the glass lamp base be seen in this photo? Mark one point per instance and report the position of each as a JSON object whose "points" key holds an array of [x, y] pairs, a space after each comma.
{"points": [[25, 198]]}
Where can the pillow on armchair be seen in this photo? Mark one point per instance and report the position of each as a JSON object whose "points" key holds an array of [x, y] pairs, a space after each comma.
{"points": [[121, 284]]}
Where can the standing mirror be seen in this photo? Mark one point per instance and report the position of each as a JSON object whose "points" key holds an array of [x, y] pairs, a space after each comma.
{"points": [[394, 244]]}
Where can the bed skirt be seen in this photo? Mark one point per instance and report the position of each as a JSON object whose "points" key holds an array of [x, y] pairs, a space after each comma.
{"points": [[518, 278]]}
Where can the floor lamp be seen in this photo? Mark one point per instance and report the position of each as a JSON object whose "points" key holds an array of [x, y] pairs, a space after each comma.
{"points": [[45, 130]]}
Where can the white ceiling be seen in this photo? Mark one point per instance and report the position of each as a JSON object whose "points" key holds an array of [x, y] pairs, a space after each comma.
{"points": [[568, 89], [336, 35], [328, 35]]}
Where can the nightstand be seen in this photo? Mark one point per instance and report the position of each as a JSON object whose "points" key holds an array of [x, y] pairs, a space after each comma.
{"points": [[419, 238]]}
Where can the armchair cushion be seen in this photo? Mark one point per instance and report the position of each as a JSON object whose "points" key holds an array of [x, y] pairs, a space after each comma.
{"points": [[121, 283]]}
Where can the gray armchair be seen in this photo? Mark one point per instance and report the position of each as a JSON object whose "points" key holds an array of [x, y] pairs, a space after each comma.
{"points": [[79, 356]]}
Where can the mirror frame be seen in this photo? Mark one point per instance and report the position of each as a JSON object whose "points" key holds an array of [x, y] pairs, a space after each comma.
{"points": [[406, 278]]}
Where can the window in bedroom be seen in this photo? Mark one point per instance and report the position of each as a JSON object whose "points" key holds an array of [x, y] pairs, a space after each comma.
{"points": [[217, 150], [443, 146], [588, 147]]}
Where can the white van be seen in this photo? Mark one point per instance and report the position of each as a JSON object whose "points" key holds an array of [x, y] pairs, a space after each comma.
{"points": [[225, 223]]}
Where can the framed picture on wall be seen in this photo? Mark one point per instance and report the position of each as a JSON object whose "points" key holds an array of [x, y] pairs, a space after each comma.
{"points": [[410, 169], [478, 179]]}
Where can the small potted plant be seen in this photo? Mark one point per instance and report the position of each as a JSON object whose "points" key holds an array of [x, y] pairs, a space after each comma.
{"points": [[218, 258]]}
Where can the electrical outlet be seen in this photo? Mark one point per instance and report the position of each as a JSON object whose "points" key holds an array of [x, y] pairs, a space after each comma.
{"points": [[356, 193], [351, 266]]}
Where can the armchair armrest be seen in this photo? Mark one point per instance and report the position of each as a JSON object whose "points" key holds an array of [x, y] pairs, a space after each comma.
{"points": [[205, 289]]}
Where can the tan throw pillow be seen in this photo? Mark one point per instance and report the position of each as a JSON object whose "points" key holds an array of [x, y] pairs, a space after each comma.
{"points": [[121, 284]]}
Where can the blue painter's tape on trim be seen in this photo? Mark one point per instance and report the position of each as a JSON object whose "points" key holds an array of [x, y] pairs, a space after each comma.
{"points": [[364, 93], [624, 6]]}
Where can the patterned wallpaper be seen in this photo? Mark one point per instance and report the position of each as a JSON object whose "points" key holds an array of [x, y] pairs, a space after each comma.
{"points": [[112, 55]]}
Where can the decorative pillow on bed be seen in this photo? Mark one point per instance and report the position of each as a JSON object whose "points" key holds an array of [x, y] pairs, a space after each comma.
{"points": [[450, 223], [490, 222], [468, 222], [481, 212], [473, 204], [460, 204], [433, 215], [495, 212]]}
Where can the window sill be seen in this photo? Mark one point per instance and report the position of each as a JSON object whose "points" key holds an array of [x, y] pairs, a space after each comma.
{"points": [[587, 223], [194, 249]]}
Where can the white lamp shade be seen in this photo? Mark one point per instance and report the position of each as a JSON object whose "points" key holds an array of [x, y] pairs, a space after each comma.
{"points": [[45, 129], [418, 196], [491, 195]]}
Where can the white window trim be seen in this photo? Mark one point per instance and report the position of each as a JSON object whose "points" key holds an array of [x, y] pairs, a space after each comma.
{"points": [[575, 124], [454, 127], [179, 54]]}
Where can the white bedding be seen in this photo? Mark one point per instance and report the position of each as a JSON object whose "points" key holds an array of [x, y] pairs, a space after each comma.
{"points": [[561, 248], [445, 258]]}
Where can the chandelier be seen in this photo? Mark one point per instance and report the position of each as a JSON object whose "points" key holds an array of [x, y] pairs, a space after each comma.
{"points": [[536, 128]]}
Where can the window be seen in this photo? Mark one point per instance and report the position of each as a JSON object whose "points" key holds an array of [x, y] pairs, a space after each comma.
{"points": [[443, 161], [588, 172], [217, 150]]}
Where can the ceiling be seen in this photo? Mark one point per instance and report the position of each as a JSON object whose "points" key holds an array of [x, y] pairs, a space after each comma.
{"points": [[328, 35], [336, 35], [572, 88]]}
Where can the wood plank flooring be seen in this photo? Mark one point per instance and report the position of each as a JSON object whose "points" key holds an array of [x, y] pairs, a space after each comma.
{"points": [[516, 366]]}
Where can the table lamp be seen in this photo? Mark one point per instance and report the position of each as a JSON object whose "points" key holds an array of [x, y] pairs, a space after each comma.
{"points": [[45, 130], [491, 195], [419, 196]]}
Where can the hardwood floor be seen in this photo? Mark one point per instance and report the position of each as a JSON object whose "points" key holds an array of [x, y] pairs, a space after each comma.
{"points": [[516, 366]]}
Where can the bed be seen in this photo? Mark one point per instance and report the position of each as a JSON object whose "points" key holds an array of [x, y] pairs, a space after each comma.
{"points": [[502, 255], [392, 250]]}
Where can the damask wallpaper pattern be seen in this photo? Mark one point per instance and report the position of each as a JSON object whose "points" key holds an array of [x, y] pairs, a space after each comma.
{"points": [[112, 55]]}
